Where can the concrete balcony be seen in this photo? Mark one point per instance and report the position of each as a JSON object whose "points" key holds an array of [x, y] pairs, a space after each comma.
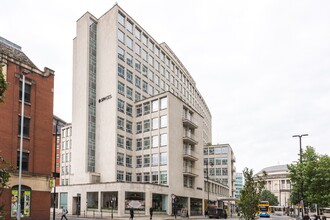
{"points": [[189, 155], [189, 138], [189, 121], [189, 171]]}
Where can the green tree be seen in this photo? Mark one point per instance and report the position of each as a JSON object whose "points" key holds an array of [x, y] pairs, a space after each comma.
{"points": [[267, 195], [3, 85], [251, 194], [5, 170], [313, 176]]}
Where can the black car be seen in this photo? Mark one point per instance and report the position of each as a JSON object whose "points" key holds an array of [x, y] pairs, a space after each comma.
{"points": [[217, 213]]}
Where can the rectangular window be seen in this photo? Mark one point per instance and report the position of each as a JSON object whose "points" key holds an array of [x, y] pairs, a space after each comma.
{"points": [[146, 108], [155, 177], [120, 176], [129, 93], [129, 76], [155, 105], [163, 121], [146, 160], [146, 177], [224, 161], [121, 19], [144, 70], [121, 88], [25, 161], [163, 177], [154, 159], [120, 159], [218, 171], [151, 60], [155, 123], [144, 39], [120, 141], [156, 80], [138, 177], [137, 33], [26, 126], [138, 161], [138, 110], [137, 49], [155, 141], [128, 177], [137, 65], [151, 90], [146, 143], [144, 55], [163, 158], [137, 96], [139, 127], [27, 92], [129, 43], [129, 143], [163, 140], [151, 75], [128, 161], [144, 86], [137, 81], [146, 125], [129, 109], [121, 106], [121, 53], [120, 123], [121, 36], [129, 59], [157, 51], [139, 144], [129, 126], [129, 26]]}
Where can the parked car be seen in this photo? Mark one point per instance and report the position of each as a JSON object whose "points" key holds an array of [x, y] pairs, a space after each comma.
{"points": [[217, 213]]}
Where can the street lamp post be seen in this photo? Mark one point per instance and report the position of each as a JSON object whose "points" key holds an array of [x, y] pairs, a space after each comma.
{"points": [[301, 183], [113, 200], [19, 208], [55, 173]]}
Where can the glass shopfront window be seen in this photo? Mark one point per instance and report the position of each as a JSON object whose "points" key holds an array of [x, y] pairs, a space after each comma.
{"points": [[24, 200]]}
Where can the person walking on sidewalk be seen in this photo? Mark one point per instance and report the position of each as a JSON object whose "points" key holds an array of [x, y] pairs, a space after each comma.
{"points": [[64, 212], [151, 211], [131, 213]]}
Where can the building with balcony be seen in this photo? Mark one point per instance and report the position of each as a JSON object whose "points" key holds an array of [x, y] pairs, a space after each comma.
{"points": [[139, 124], [278, 183], [37, 132]]}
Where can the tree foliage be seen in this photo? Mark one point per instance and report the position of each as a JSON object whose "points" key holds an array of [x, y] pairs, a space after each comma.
{"points": [[3, 85], [267, 195], [5, 170], [313, 176], [251, 194]]}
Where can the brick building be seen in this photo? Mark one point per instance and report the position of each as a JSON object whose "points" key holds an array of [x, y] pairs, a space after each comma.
{"points": [[37, 132]]}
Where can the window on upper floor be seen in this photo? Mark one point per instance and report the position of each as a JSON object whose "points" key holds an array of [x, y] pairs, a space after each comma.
{"points": [[27, 92], [121, 36], [129, 26], [121, 19], [25, 160], [26, 126]]}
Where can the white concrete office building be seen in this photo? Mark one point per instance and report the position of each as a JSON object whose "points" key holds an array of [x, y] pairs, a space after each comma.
{"points": [[219, 164], [139, 123]]}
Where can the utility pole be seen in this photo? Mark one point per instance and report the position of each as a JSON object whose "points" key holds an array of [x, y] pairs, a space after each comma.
{"points": [[301, 176]]}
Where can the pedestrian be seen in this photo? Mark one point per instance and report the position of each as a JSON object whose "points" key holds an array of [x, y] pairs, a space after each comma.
{"points": [[64, 212], [151, 211], [131, 213]]}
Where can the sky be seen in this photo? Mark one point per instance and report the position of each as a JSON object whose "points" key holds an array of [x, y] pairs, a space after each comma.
{"points": [[263, 67]]}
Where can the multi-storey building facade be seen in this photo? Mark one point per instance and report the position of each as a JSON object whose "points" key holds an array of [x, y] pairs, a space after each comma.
{"points": [[219, 164], [278, 183], [65, 155], [139, 123], [238, 185], [37, 132], [58, 123]]}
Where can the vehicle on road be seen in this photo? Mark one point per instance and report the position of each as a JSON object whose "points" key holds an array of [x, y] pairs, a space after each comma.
{"points": [[325, 213], [277, 210], [263, 209], [215, 212]]}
